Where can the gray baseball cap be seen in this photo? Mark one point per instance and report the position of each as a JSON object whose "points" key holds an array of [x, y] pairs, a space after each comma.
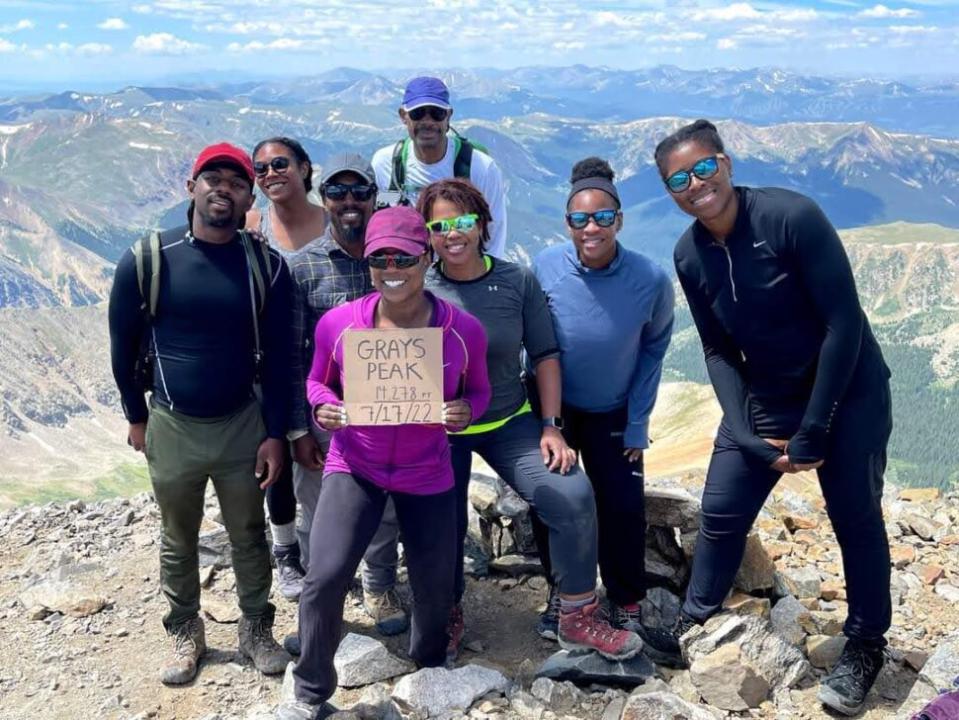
{"points": [[348, 162]]}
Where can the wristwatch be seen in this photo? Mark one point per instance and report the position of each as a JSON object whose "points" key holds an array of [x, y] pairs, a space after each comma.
{"points": [[556, 422]]}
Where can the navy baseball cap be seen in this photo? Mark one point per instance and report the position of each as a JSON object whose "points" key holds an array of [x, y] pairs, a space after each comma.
{"points": [[421, 91]]}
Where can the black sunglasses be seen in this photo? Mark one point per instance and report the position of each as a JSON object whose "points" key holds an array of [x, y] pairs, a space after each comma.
{"points": [[361, 192], [401, 261], [435, 113], [703, 169], [603, 218], [279, 164]]}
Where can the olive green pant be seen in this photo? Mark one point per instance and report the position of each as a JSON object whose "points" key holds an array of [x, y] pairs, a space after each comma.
{"points": [[182, 453]]}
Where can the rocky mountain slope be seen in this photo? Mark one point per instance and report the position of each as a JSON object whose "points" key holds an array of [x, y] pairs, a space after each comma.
{"points": [[80, 632]]}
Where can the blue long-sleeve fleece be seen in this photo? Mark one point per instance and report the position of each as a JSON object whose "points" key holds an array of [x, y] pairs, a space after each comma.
{"points": [[613, 327]]}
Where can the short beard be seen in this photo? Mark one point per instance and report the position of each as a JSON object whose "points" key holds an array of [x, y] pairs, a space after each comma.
{"points": [[217, 222], [352, 235]]}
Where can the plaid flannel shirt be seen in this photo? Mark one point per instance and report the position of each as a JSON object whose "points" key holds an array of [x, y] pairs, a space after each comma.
{"points": [[324, 276]]}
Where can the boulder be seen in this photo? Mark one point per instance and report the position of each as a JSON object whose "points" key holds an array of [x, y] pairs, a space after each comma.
{"points": [[70, 589], [435, 691], [727, 681], [804, 582], [937, 675], [663, 706], [672, 508], [660, 607], [787, 618], [361, 660], [824, 650], [559, 697], [757, 570], [589, 667]]}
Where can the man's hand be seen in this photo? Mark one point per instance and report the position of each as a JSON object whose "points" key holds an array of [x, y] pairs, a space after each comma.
{"points": [[556, 453], [457, 414], [137, 436], [269, 461], [330, 416], [306, 451], [783, 463], [633, 454]]}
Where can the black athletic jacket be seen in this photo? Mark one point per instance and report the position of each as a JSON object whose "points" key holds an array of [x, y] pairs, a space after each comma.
{"points": [[784, 335], [203, 333]]}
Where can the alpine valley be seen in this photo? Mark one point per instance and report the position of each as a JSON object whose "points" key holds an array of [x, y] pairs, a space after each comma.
{"points": [[83, 175]]}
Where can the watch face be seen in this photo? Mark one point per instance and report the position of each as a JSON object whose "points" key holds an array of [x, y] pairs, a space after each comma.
{"points": [[556, 422]]}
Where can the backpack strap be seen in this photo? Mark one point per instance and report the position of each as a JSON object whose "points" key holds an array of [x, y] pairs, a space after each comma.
{"points": [[257, 258], [146, 255], [398, 176], [464, 157]]}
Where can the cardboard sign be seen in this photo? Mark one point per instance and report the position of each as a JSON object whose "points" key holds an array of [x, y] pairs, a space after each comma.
{"points": [[393, 377]]}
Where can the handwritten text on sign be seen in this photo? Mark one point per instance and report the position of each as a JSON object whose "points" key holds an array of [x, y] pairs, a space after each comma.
{"points": [[393, 377]]}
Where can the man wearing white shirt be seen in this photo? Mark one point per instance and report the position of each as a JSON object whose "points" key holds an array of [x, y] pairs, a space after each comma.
{"points": [[429, 155]]}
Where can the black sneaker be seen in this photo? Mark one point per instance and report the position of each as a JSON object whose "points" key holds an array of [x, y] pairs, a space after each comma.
{"points": [[291, 643], [289, 576], [845, 688], [661, 645], [548, 625]]}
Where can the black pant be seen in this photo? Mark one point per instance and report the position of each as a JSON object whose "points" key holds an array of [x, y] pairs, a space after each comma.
{"points": [[619, 487], [280, 500], [347, 516], [851, 479]]}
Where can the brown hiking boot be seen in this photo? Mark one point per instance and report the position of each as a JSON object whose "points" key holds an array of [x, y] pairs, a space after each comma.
{"points": [[189, 644], [258, 644]]}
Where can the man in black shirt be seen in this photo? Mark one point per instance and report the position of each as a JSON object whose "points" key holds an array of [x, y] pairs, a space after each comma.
{"points": [[801, 381], [204, 420]]}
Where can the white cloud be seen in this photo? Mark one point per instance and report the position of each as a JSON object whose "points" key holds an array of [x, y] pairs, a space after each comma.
{"points": [[17, 26], [913, 29], [726, 44], [881, 11], [278, 45], [7, 47], [93, 49], [165, 44], [114, 23], [736, 11], [62, 26], [142, 9]]}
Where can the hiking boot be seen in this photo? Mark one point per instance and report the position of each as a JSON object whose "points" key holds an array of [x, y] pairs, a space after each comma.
{"points": [[659, 644], [291, 643], [548, 625], [844, 689], [257, 643], [189, 644], [587, 628], [387, 611], [289, 577], [299, 710], [455, 628]]}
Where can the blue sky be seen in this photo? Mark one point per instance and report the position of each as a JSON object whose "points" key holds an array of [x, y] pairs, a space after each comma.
{"points": [[106, 43]]}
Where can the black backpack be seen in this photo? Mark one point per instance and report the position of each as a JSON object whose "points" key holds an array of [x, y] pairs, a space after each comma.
{"points": [[148, 260]]}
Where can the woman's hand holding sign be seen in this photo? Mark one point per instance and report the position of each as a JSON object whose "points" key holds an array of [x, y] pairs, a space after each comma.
{"points": [[457, 415], [330, 416]]}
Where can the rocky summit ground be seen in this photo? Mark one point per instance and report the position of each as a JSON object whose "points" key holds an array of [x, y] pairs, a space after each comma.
{"points": [[80, 636]]}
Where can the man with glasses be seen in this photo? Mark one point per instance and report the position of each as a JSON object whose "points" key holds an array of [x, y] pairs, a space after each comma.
{"points": [[429, 154], [193, 296], [327, 273]]}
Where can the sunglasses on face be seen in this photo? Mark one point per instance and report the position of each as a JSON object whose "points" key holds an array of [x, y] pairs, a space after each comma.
{"points": [[361, 192], [279, 164], [703, 169], [401, 261], [603, 218], [462, 223], [436, 113]]}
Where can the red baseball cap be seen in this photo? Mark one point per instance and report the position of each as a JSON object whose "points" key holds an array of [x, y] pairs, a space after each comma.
{"points": [[224, 152], [399, 228]]}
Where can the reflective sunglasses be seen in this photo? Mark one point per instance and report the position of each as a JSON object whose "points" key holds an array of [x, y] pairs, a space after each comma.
{"points": [[360, 191], [462, 223], [703, 169], [603, 218], [435, 113], [279, 164], [401, 261]]}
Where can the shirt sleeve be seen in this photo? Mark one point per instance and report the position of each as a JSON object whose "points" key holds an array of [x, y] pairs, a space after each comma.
{"points": [[649, 366], [827, 277], [127, 327], [476, 387], [724, 365], [494, 191], [539, 337], [323, 382], [275, 329]]}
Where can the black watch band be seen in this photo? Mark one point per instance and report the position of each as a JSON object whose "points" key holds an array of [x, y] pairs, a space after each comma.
{"points": [[556, 422]]}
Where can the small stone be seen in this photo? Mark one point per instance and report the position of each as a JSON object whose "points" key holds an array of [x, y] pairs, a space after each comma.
{"points": [[757, 570], [902, 555], [801, 582], [590, 667], [920, 525], [438, 690], [558, 696], [663, 706], [743, 604], [948, 592], [787, 618], [795, 522], [931, 574], [915, 659], [362, 660], [221, 612], [919, 494], [206, 575], [823, 651], [726, 681], [832, 590]]}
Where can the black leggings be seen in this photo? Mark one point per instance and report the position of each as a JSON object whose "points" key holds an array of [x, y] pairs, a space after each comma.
{"points": [[280, 500]]}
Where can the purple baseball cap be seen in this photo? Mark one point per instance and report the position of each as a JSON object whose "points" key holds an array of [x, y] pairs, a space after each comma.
{"points": [[422, 91], [399, 228]]}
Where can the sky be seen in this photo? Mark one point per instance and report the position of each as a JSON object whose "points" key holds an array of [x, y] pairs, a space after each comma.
{"points": [[52, 44]]}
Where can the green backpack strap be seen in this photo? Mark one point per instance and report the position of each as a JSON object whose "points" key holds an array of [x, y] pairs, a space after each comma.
{"points": [[146, 255], [398, 176]]}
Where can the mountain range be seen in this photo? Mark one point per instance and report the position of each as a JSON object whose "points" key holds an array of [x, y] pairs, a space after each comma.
{"points": [[84, 174]]}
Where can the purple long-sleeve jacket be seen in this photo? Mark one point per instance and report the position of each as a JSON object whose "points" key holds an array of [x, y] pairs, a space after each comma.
{"points": [[413, 459]]}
